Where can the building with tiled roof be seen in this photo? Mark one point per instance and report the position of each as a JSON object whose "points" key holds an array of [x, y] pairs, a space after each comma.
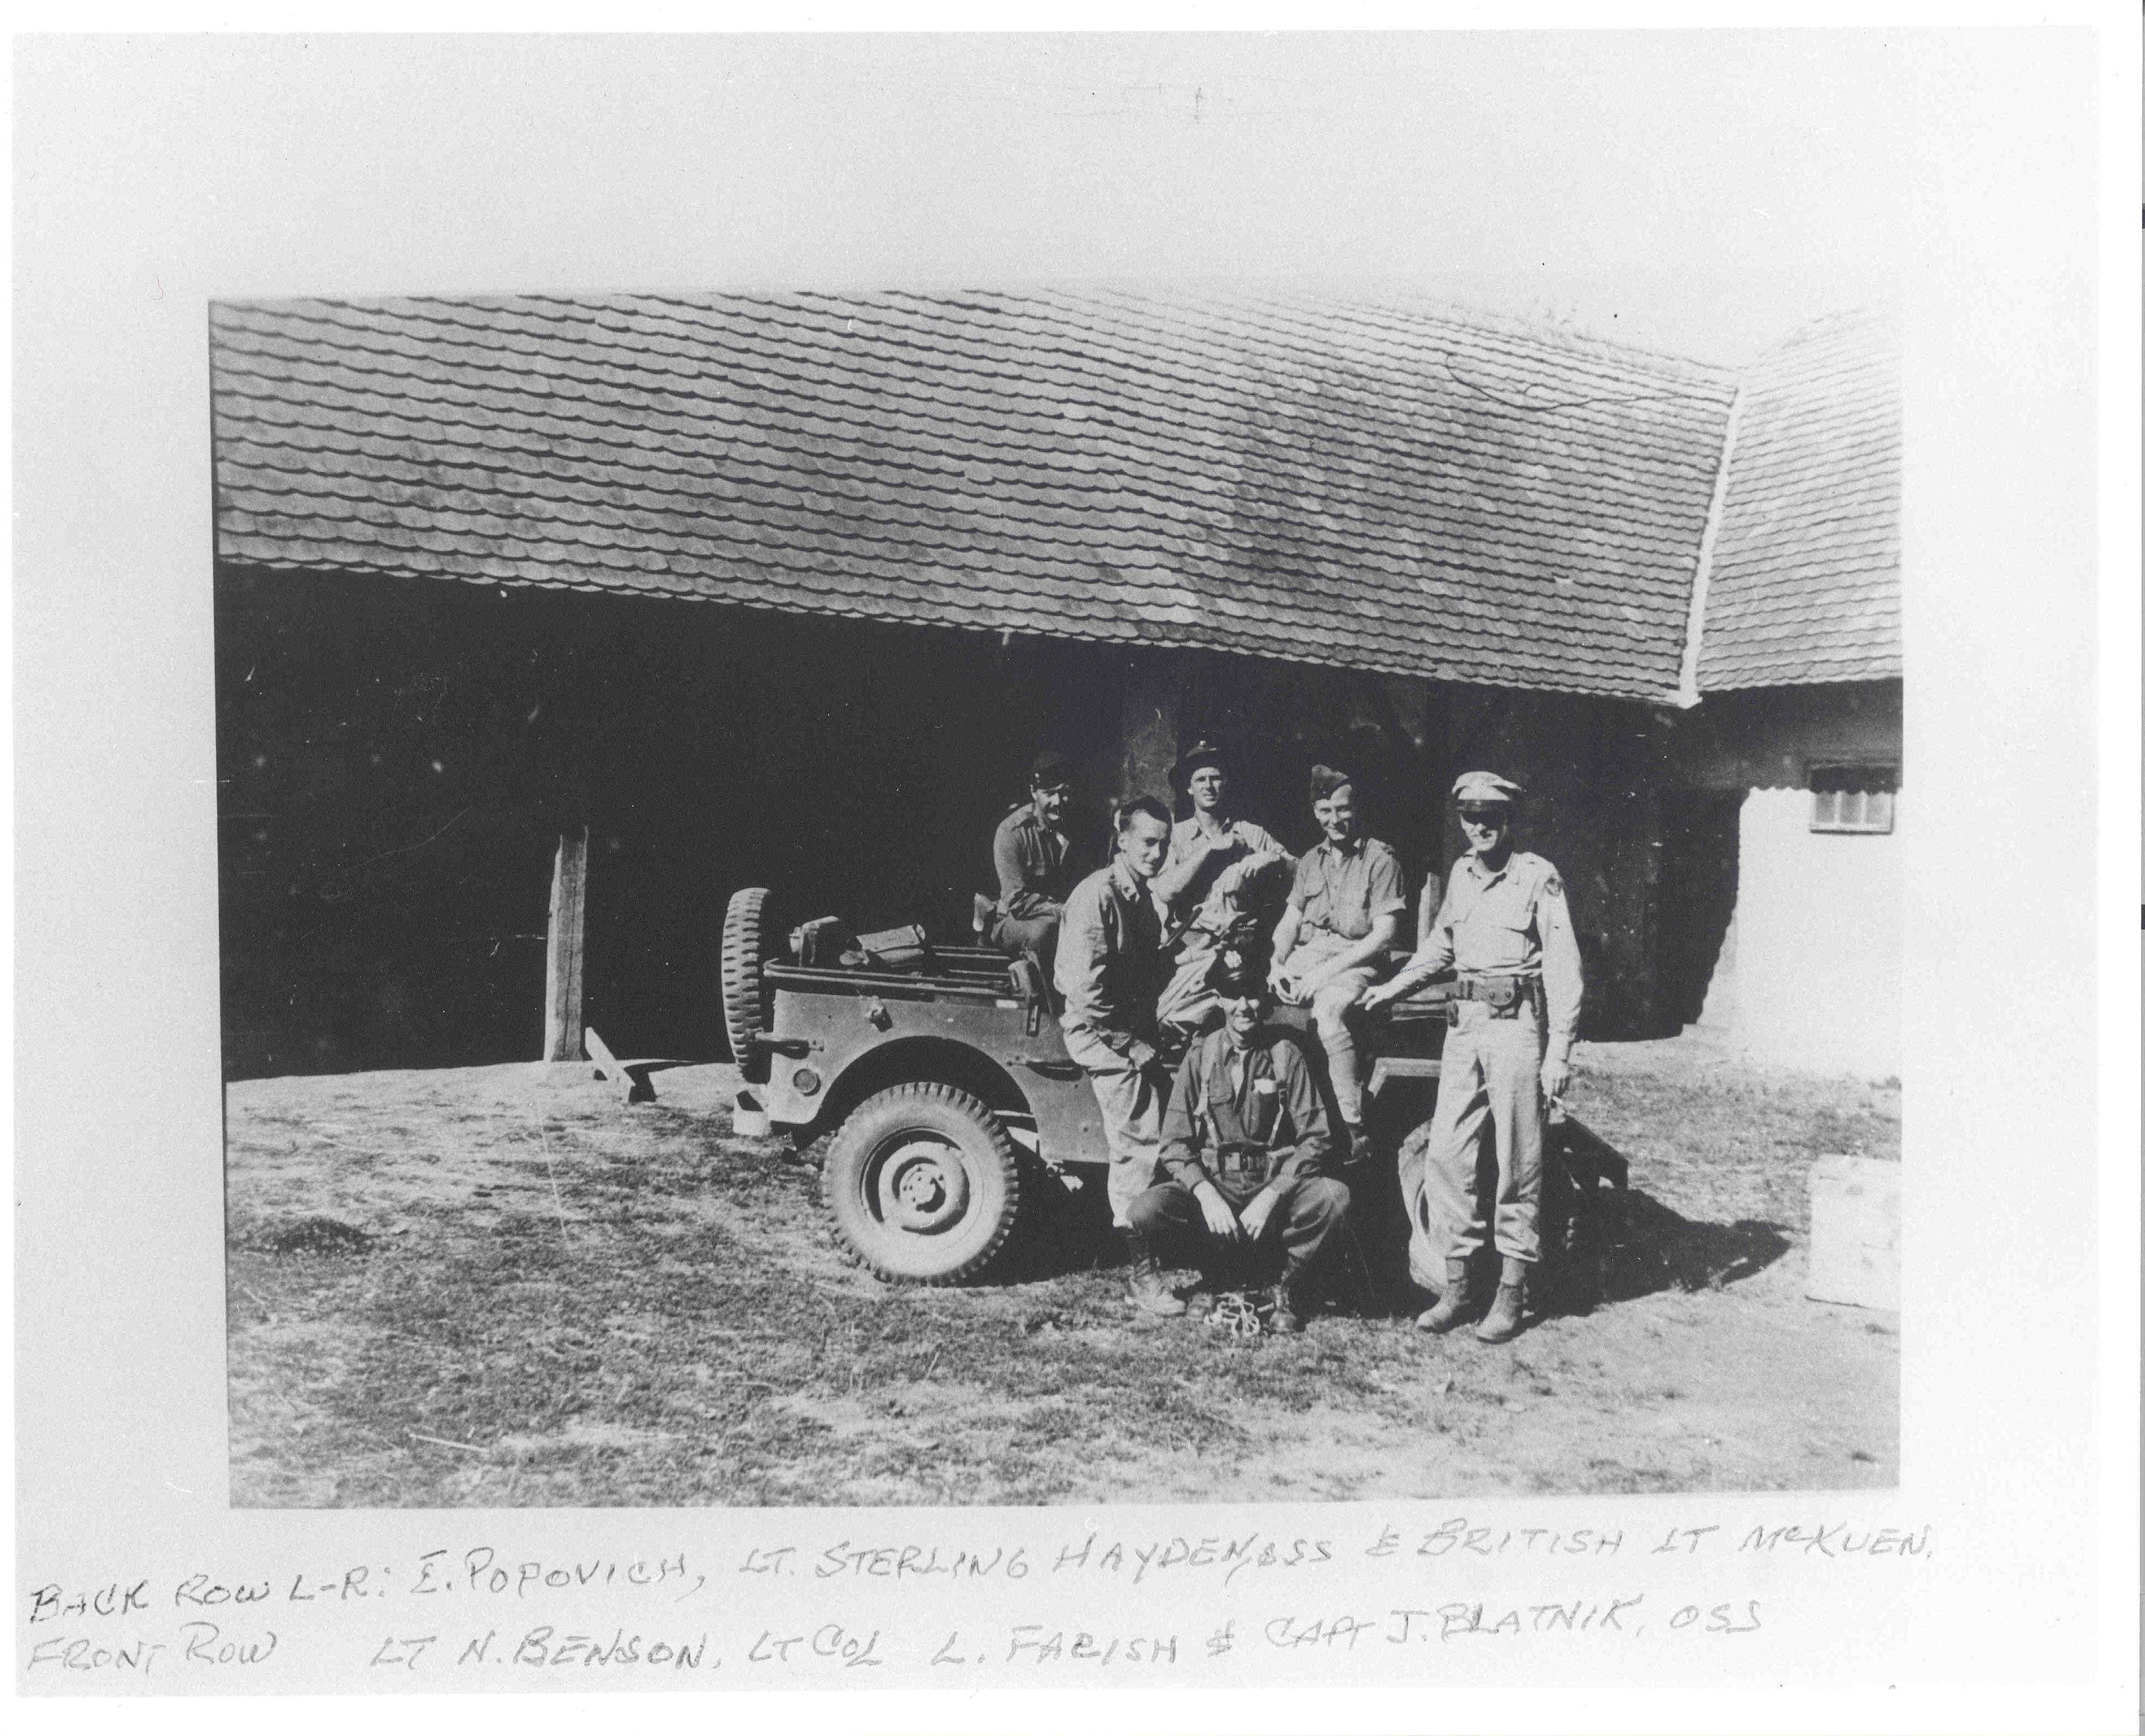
{"points": [[1803, 582], [1413, 491], [784, 588]]}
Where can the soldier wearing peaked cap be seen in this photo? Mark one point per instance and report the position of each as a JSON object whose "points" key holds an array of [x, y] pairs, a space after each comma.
{"points": [[1506, 929], [1243, 1186]]}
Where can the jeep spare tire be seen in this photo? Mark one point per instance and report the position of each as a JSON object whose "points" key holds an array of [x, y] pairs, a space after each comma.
{"points": [[747, 1009], [923, 1185]]}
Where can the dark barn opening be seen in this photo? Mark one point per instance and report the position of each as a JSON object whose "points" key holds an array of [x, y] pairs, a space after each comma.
{"points": [[1700, 844], [400, 756]]}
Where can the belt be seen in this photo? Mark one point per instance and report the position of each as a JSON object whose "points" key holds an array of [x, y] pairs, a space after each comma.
{"points": [[1247, 1165], [1504, 994]]}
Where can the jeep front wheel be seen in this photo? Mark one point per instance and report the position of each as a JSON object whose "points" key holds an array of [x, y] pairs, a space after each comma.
{"points": [[923, 1185]]}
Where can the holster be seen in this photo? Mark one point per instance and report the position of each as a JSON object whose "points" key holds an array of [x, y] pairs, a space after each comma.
{"points": [[1504, 996]]}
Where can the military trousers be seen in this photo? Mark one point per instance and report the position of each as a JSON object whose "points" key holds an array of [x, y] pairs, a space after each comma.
{"points": [[1330, 1007], [1036, 936], [1489, 1100], [1168, 1216], [1130, 1100], [1187, 1002]]}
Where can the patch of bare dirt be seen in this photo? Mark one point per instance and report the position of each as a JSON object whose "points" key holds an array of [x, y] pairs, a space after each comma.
{"points": [[500, 1285]]}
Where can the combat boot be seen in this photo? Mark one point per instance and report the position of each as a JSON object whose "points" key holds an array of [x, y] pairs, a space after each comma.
{"points": [[1144, 1286], [1285, 1300], [1458, 1298], [1502, 1323]]}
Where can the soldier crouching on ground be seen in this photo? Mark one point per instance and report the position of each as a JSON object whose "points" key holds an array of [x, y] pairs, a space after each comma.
{"points": [[1036, 870], [1505, 927], [1110, 966], [1331, 944], [1244, 1143]]}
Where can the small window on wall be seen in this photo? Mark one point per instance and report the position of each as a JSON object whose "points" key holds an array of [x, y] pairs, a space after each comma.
{"points": [[1853, 798]]}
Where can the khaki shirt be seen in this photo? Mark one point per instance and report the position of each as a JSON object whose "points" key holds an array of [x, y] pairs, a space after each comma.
{"points": [[1111, 967], [1034, 863], [1512, 922], [1264, 1097], [1185, 837], [1342, 892]]}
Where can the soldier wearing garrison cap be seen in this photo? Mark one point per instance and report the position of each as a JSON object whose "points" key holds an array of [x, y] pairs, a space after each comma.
{"points": [[1331, 944], [1504, 926]]}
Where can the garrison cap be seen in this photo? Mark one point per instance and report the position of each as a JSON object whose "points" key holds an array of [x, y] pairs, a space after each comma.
{"points": [[1325, 779], [1202, 752], [1484, 787], [1050, 769]]}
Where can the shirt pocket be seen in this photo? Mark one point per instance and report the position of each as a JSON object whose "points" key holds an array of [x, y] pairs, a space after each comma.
{"points": [[1498, 934]]}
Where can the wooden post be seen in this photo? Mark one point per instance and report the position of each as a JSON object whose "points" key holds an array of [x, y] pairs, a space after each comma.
{"points": [[563, 948], [1147, 720]]}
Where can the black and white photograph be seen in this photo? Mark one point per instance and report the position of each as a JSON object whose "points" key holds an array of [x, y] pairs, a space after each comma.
{"points": [[1070, 894], [1273, 830]]}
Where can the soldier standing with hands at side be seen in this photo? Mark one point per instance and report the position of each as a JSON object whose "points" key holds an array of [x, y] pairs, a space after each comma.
{"points": [[1505, 928]]}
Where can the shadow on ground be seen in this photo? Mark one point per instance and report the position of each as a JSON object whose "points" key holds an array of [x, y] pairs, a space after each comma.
{"points": [[1607, 1242]]}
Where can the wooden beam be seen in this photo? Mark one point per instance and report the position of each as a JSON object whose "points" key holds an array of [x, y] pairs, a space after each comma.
{"points": [[607, 1064], [563, 948]]}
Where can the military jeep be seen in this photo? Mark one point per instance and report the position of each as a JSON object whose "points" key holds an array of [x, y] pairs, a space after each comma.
{"points": [[957, 1118]]}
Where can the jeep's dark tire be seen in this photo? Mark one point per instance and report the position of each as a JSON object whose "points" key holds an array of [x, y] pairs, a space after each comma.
{"points": [[746, 1012], [923, 1185]]}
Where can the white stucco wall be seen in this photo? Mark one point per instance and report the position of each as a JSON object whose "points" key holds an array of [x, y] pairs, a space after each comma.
{"points": [[1817, 950], [1810, 973]]}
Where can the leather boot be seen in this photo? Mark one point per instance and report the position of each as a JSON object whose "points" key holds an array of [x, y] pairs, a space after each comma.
{"points": [[1458, 1298], [1145, 1289], [1502, 1323], [1287, 1299]]}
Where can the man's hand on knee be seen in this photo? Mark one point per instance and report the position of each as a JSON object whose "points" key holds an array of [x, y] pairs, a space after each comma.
{"points": [[1220, 1221]]}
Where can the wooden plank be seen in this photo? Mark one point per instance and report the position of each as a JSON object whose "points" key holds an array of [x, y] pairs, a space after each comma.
{"points": [[607, 1064], [1387, 1068], [563, 948]]}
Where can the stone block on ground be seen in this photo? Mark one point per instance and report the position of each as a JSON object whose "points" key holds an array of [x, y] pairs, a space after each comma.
{"points": [[1854, 1232]]}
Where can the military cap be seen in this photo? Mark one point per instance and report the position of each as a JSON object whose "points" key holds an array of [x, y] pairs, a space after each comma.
{"points": [[1202, 752], [1050, 769], [1235, 975], [1484, 787], [1325, 779]]}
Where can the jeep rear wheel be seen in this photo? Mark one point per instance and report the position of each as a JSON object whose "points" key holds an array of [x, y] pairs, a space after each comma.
{"points": [[745, 1010], [923, 1185]]}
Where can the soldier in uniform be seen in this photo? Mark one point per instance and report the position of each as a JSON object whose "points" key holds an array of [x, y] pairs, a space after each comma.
{"points": [[1244, 1144], [1221, 882], [1331, 944], [1034, 858], [1110, 966], [1504, 928]]}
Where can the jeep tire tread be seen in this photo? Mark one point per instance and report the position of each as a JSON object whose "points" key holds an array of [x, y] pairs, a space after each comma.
{"points": [[923, 1185], [745, 1012]]}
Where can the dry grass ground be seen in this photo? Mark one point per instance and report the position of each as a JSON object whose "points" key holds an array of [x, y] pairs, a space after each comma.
{"points": [[499, 1285]]}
